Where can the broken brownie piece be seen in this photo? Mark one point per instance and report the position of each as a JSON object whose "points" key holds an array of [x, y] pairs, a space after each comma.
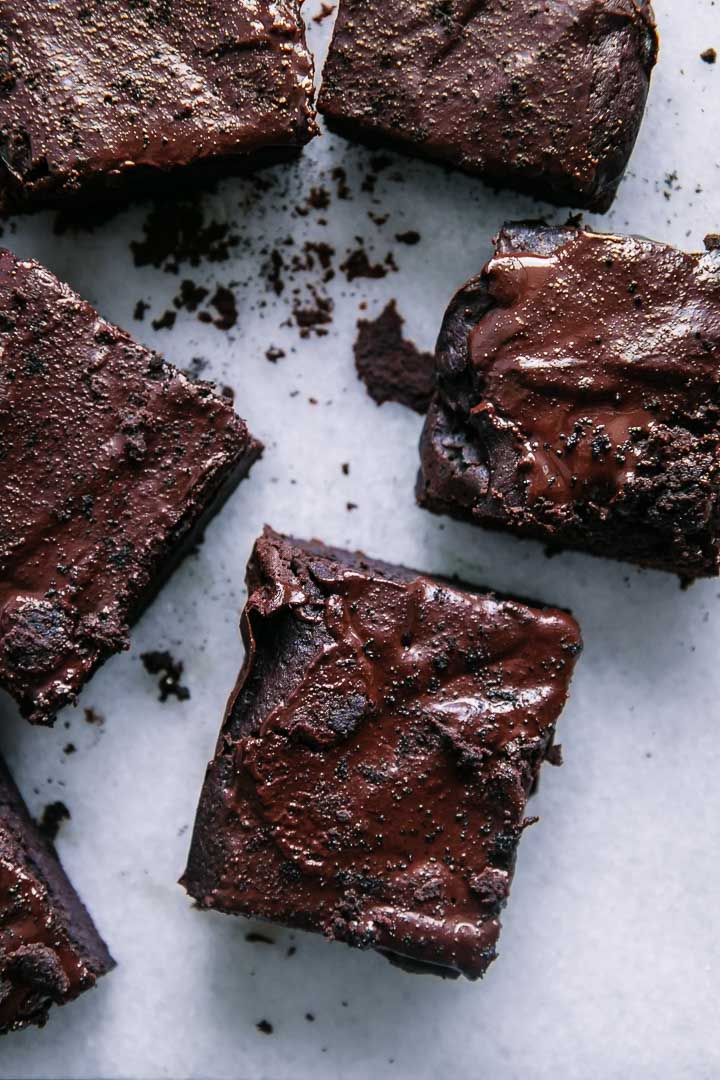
{"points": [[100, 97], [579, 398], [50, 952], [543, 98], [112, 463], [373, 769]]}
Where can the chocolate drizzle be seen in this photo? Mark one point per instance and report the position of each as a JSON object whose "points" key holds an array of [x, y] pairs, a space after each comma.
{"points": [[379, 793]]}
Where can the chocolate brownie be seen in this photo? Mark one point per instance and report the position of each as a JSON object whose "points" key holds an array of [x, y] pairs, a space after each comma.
{"points": [[101, 96], [373, 769], [579, 398], [49, 949], [543, 98], [112, 462]]}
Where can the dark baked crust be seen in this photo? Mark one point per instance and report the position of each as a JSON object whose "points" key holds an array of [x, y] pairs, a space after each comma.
{"points": [[547, 99], [101, 99], [656, 314], [377, 754], [112, 464], [50, 951]]}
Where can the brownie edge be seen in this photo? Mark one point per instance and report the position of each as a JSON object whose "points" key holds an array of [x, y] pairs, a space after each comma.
{"points": [[50, 951], [373, 768]]}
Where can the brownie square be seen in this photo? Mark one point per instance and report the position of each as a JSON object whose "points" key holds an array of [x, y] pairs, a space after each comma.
{"points": [[111, 464], [50, 951], [543, 98], [372, 772], [578, 398], [101, 96]]}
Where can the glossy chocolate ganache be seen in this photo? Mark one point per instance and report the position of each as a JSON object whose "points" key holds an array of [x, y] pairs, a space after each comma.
{"points": [[579, 397], [376, 759]]}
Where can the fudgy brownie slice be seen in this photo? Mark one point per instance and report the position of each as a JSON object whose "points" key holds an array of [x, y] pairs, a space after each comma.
{"points": [[101, 96], [544, 98], [579, 398], [50, 950], [111, 463], [373, 769]]}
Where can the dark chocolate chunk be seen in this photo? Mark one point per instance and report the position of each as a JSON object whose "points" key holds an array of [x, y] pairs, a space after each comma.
{"points": [[373, 769], [49, 949], [112, 462], [544, 98], [97, 99], [579, 398]]}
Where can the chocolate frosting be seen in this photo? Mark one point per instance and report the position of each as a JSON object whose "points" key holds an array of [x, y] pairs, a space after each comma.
{"points": [[547, 98], [111, 459], [377, 755], [583, 372], [96, 90]]}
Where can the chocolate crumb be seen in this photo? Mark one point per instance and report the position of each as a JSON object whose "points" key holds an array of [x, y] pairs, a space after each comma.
{"points": [[351, 506], [345, 468], [325, 11], [166, 321], [140, 310], [52, 818], [92, 716], [411, 237], [176, 232], [709, 56], [273, 355], [392, 368], [358, 265], [224, 303], [265, 1027], [259, 939], [712, 242], [170, 671], [69, 748], [310, 1018]]}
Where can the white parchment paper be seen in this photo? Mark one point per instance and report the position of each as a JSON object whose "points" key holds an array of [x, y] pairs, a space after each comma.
{"points": [[611, 948]]}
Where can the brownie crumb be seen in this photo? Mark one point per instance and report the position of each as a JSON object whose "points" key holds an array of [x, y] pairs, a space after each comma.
{"points": [[176, 232], [190, 296], [314, 318], [273, 354], [411, 237], [141, 308], [392, 368], [358, 265], [325, 11], [224, 303], [310, 1018], [259, 939], [265, 1027], [166, 321], [52, 818], [345, 468], [709, 56], [339, 175], [712, 242], [92, 716], [170, 671], [69, 748]]}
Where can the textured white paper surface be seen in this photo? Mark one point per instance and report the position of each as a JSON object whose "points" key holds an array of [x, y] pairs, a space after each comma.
{"points": [[609, 960]]}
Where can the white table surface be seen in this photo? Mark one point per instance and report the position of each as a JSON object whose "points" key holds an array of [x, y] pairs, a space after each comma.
{"points": [[609, 958]]}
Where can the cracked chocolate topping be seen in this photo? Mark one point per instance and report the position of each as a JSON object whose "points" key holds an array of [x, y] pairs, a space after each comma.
{"points": [[377, 756], [49, 949], [582, 370], [111, 462], [98, 93], [547, 98]]}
